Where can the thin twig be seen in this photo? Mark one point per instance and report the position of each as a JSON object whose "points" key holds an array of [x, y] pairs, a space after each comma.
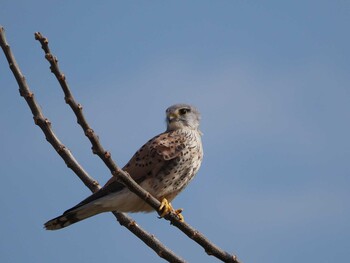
{"points": [[97, 148], [69, 159]]}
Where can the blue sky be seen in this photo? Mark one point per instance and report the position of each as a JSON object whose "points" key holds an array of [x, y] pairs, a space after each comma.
{"points": [[271, 81]]}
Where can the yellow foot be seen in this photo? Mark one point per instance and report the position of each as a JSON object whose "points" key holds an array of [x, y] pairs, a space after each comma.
{"points": [[166, 208], [178, 213]]}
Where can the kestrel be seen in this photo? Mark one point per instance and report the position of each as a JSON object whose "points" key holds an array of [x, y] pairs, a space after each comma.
{"points": [[163, 167]]}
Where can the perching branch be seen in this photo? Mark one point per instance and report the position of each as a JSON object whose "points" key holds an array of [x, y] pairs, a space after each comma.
{"points": [[210, 248], [69, 159], [97, 148]]}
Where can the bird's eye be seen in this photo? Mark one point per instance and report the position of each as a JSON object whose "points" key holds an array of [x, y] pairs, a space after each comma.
{"points": [[183, 111]]}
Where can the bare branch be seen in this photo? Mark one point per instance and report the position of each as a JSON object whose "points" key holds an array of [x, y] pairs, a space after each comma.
{"points": [[69, 159], [43, 122], [97, 148]]}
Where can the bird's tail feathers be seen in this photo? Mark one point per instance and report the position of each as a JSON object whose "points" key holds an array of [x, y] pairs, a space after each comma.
{"points": [[70, 217]]}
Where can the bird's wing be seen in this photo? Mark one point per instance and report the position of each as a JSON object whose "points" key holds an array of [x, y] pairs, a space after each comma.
{"points": [[153, 155], [147, 161]]}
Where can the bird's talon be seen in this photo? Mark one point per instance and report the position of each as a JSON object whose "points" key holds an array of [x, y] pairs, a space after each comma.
{"points": [[166, 208], [178, 213]]}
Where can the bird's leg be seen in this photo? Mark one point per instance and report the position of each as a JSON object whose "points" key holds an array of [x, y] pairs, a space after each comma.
{"points": [[166, 208]]}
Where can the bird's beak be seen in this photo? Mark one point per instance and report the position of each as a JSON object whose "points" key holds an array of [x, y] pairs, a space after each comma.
{"points": [[172, 116]]}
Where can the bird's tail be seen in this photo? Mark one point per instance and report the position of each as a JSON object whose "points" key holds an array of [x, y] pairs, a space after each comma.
{"points": [[72, 216]]}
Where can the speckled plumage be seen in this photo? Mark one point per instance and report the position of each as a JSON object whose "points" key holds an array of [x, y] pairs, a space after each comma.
{"points": [[163, 167]]}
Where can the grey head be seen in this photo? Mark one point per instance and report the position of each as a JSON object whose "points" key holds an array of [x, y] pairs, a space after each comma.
{"points": [[181, 116]]}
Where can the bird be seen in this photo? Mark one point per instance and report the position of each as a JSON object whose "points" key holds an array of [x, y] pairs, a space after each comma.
{"points": [[163, 166]]}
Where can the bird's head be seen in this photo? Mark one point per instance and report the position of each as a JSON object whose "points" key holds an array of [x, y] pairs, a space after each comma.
{"points": [[181, 116]]}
